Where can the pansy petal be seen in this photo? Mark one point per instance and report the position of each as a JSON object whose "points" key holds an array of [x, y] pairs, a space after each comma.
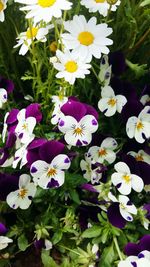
{"points": [[89, 123], [122, 167], [137, 183], [61, 162], [66, 124], [12, 199]]}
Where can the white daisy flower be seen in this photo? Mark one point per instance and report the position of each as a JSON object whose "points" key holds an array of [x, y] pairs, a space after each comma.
{"points": [[125, 206], [25, 39], [22, 197], [70, 66], [139, 127], [44, 9], [141, 155], [110, 103], [124, 180], [3, 97], [102, 6], [104, 152], [87, 39], [142, 260], [2, 8], [105, 71], [4, 241], [25, 127], [58, 101], [50, 175], [78, 133]]}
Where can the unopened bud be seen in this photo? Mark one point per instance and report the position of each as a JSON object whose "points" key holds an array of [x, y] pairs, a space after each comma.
{"points": [[112, 2]]}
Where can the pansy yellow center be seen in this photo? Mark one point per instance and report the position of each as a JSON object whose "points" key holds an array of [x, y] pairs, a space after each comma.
{"points": [[139, 157], [22, 193], [86, 38], [78, 131], [46, 3], [25, 126], [127, 178], [51, 172], [112, 102], [122, 206], [71, 66], [1, 6], [139, 125], [31, 32], [102, 152], [99, 1]]}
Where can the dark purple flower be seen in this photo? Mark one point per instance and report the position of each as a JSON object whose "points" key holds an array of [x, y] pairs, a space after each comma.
{"points": [[4, 155], [39, 244], [132, 108], [33, 150], [33, 110], [50, 150], [117, 60], [3, 229], [87, 213], [114, 216], [8, 85], [8, 183], [89, 187], [134, 249]]}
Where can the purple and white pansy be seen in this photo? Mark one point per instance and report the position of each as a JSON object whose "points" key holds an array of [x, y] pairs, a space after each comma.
{"points": [[58, 101], [138, 127], [124, 180], [4, 241], [78, 124], [3, 97], [22, 197], [142, 260], [141, 155]]}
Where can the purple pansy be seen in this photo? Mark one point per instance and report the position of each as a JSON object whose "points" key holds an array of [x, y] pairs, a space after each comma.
{"points": [[8, 183], [136, 248], [3, 229], [7, 84], [117, 61]]}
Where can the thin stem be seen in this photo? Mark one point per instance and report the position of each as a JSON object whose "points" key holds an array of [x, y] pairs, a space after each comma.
{"points": [[95, 73], [117, 248], [70, 250]]}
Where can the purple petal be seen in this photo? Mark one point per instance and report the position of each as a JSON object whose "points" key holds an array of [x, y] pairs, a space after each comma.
{"points": [[91, 111], [134, 264], [53, 183], [145, 243], [12, 117], [4, 155], [8, 85], [50, 150], [117, 60], [79, 143], [36, 143], [89, 187], [11, 139], [115, 217], [33, 110], [8, 183], [3, 229], [132, 249], [74, 109]]}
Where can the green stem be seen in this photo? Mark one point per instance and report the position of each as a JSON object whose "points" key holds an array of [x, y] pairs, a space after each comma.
{"points": [[70, 250], [95, 73], [117, 248]]}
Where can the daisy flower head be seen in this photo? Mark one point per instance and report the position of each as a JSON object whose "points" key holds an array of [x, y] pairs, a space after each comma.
{"points": [[22, 197], [110, 103], [86, 38], [2, 8], [102, 6], [124, 180], [44, 9], [70, 66], [25, 39], [139, 127]]}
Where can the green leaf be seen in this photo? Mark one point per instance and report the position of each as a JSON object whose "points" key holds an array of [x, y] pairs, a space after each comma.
{"points": [[91, 232], [22, 242], [57, 237], [74, 196], [47, 260], [107, 257], [145, 3]]}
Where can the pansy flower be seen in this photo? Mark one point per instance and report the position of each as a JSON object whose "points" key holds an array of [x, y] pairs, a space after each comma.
{"points": [[8, 183], [44, 10], [22, 197], [102, 6], [138, 127], [49, 171], [4, 241], [7, 84], [3, 97], [110, 103], [141, 155], [124, 180], [142, 260], [145, 96], [135, 248], [70, 66], [105, 71], [86, 38], [77, 124], [104, 152], [58, 101], [2, 8], [121, 210]]}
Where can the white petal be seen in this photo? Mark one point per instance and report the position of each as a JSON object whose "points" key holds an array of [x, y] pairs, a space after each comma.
{"points": [[110, 143], [122, 167], [137, 183], [61, 162], [131, 126]]}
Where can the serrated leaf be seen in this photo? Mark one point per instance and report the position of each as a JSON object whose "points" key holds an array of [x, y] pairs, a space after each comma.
{"points": [[91, 232], [107, 257], [22, 242]]}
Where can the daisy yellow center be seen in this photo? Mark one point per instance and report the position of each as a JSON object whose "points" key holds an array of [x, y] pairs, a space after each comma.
{"points": [[23, 192], [51, 172], [102, 152], [31, 33], [139, 125], [86, 38], [99, 1], [46, 3], [139, 157], [112, 102], [78, 131], [127, 178], [71, 66], [1, 6]]}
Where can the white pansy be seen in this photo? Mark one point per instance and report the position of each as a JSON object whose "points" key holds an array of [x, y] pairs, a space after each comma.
{"points": [[142, 260], [25, 127], [58, 103], [125, 206], [139, 127], [50, 175], [3, 97], [124, 180], [22, 197], [25, 39], [110, 103], [5, 126], [141, 155], [2, 8], [104, 152], [44, 10], [102, 6], [78, 133], [70, 66], [87, 38], [4, 241], [145, 99], [105, 71]]}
